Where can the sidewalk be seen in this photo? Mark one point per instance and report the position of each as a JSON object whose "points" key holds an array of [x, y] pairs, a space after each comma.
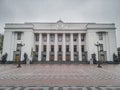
{"points": [[59, 75]]}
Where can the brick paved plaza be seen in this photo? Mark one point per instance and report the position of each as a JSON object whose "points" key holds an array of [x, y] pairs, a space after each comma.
{"points": [[59, 76]]}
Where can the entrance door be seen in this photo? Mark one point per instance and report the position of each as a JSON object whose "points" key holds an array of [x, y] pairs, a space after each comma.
{"points": [[67, 57], [102, 57], [16, 56], [76, 57], [52, 58], [84, 56], [44, 57], [60, 58]]}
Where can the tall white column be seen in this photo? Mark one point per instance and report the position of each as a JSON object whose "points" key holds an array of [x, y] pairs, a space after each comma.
{"points": [[40, 47], [71, 46], [12, 47], [56, 47], [63, 48], [48, 47], [107, 47], [79, 47]]}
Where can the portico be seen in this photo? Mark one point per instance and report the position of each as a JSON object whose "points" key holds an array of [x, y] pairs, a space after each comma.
{"points": [[59, 45]]}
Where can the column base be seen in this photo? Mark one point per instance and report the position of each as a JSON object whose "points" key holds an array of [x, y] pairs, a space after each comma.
{"points": [[80, 60], [64, 60], [47, 60], [56, 60], [39, 59], [71, 60]]}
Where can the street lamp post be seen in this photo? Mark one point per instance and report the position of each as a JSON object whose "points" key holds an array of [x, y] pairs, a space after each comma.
{"points": [[98, 45], [19, 63]]}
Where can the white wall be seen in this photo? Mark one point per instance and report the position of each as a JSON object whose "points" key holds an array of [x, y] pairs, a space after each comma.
{"points": [[28, 40], [10, 43], [91, 41], [7, 44], [112, 44], [109, 43]]}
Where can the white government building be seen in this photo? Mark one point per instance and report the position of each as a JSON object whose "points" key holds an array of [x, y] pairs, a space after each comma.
{"points": [[60, 41]]}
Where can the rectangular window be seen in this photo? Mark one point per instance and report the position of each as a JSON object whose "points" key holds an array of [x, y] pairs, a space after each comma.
{"points": [[83, 48], [52, 48], [75, 37], [59, 37], [101, 47], [100, 36], [36, 37], [75, 48], [67, 37], [67, 48], [44, 56], [60, 49], [44, 37], [36, 48], [44, 48], [19, 36], [18, 47], [82, 37], [52, 37]]}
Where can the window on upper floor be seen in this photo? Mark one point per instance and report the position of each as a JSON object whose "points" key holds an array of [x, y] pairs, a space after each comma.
{"points": [[36, 48], [52, 37], [75, 48], [100, 36], [82, 37], [44, 48], [18, 48], [44, 37], [75, 37], [67, 37], [36, 36], [60, 48], [59, 37], [67, 48], [101, 47], [19, 36], [52, 48], [83, 48]]}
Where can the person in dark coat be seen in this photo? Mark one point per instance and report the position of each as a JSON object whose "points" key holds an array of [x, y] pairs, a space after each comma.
{"points": [[25, 57], [4, 58]]}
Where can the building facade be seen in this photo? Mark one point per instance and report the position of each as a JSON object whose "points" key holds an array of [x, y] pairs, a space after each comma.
{"points": [[60, 41]]}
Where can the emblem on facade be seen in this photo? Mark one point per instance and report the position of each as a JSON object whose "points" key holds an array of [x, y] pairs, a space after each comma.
{"points": [[60, 24]]}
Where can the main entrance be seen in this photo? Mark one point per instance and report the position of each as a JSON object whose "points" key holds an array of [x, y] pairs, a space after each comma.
{"points": [[103, 56], [60, 58], [16, 56], [67, 57], [52, 58]]}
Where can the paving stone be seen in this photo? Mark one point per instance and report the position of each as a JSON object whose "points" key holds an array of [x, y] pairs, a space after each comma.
{"points": [[57, 88], [64, 74]]}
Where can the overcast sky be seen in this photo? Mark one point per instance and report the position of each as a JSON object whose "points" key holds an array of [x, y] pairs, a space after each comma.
{"points": [[99, 11]]}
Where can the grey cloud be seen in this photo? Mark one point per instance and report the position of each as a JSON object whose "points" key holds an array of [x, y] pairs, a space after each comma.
{"points": [[68, 10]]}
